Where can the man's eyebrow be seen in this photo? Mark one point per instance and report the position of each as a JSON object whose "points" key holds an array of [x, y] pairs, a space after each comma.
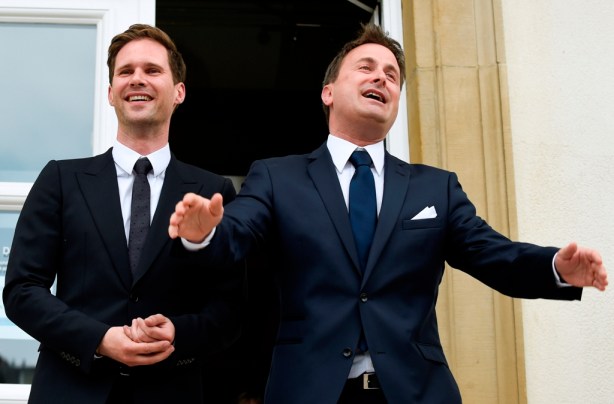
{"points": [[124, 66], [369, 59], [152, 64], [146, 65]]}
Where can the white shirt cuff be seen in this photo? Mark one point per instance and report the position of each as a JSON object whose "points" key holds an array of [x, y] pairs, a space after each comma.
{"points": [[198, 246]]}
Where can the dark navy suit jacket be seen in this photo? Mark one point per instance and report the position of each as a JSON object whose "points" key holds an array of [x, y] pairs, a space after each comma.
{"points": [[71, 227], [294, 206]]}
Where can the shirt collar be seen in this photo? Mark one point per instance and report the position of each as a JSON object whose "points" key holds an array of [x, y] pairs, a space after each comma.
{"points": [[340, 151], [125, 158]]}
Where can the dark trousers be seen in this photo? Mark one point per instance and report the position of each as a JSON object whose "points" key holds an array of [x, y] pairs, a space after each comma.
{"points": [[122, 392]]}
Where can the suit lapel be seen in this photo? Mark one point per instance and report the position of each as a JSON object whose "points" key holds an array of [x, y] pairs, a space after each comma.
{"points": [[98, 184], [177, 182], [328, 187], [396, 184]]}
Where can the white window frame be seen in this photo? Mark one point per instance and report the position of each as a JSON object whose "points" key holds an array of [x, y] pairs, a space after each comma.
{"points": [[110, 18]]}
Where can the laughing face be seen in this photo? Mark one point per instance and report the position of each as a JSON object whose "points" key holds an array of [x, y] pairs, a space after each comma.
{"points": [[364, 99], [142, 91]]}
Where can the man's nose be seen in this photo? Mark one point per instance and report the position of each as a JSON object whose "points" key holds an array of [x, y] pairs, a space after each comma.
{"points": [[379, 77], [137, 78]]}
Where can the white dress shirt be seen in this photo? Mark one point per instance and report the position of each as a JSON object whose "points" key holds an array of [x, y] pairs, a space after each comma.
{"points": [[341, 150], [124, 159]]}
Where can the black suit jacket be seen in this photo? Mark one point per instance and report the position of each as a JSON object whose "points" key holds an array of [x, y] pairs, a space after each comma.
{"points": [[71, 229], [295, 205]]}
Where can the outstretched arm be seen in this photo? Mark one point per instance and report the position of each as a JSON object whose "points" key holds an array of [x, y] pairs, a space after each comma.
{"points": [[195, 217], [580, 266]]}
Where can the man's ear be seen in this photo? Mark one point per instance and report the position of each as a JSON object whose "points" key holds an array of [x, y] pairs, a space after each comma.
{"points": [[110, 96], [180, 97], [327, 95]]}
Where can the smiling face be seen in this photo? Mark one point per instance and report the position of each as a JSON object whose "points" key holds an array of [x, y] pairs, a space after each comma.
{"points": [[364, 99], [142, 90]]}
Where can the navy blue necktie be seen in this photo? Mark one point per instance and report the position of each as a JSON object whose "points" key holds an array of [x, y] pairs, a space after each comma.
{"points": [[362, 204], [363, 213], [139, 211]]}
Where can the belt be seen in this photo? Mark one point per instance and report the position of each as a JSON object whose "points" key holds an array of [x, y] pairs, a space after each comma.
{"points": [[366, 381]]}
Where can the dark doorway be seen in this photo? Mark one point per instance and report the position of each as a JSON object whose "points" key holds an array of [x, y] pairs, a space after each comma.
{"points": [[254, 75], [255, 69]]}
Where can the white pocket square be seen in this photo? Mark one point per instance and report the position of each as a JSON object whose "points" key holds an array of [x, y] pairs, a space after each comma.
{"points": [[426, 213]]}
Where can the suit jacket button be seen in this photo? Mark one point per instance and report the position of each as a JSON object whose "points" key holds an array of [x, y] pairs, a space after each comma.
{"points": [[134, 298], [364, 297], [347, 352]]}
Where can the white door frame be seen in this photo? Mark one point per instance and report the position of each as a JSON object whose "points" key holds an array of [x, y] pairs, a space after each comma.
{"points": [[392, 21]]}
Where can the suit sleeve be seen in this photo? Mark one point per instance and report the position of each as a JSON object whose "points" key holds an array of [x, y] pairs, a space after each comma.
{"points": [[515, 269], [34, 262], [218, 324]]}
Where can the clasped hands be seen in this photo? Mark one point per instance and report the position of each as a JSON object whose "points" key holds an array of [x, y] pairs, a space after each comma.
{"points": [[145, 342]]}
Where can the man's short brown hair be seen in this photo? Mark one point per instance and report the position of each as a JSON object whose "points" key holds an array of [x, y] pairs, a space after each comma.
{"points": [[140, 31]]}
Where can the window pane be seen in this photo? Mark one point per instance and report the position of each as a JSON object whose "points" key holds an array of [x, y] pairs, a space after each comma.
{"points": [[18, 351], [47, 79]]}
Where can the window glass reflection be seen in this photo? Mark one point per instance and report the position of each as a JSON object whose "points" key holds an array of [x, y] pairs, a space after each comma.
{"points": [[18, 351], [47, 79]]}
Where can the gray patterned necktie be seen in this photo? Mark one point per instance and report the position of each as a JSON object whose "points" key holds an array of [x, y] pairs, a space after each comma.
{"points": [[139, 211]]}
